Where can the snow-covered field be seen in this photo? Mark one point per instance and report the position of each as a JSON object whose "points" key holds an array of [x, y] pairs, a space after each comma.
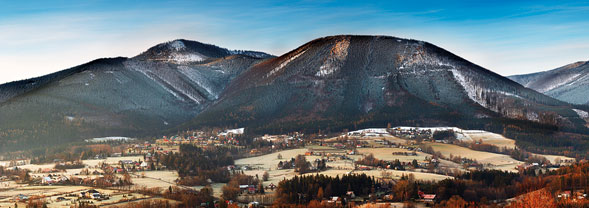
{"points": [[582, 114], [151, 179], [487, 138], [470, 135], [109, 139]]}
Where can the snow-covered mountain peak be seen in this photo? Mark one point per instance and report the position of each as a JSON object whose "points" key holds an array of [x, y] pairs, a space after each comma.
{"points": [[177, 45]]}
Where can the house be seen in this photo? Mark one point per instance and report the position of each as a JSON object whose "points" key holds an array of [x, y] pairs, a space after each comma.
{"points": [[95, 196], [92, 194], [564, 194], [126, 161], [429, 197], [47, 180], [243, 188], [250, 189], [21, 197], [253, 204], [334, 200]]}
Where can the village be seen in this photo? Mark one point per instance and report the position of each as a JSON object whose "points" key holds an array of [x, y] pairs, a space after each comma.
{"points": [[387, 154]]}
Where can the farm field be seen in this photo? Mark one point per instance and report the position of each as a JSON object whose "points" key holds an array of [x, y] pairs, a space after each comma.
{"points": [[488, 138], [155, 179], [270, 161], [386, 154], [496, 161], [338, 167], [553, 158]]}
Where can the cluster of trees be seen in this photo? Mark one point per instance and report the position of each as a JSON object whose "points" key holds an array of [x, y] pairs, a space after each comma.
{"points": [[108, 179], [473, 189], [149, 204], [303, 189], [73, 152], [466, 162], [370, 160], [479, 187], [444, 135], [186, 197], [571, 178], [196, 165], [231, 190], [74, 165], [21, 175], [300, 164], [549, 141]]}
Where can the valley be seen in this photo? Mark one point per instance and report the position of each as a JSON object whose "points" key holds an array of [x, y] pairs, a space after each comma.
{"points": [[387, 154]]}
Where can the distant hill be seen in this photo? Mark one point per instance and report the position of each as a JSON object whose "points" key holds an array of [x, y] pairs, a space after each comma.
{"points": [[569, 83], [165, 86]]}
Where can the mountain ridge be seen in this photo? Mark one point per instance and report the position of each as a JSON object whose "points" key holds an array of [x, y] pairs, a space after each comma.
{"points": [[333, 82], [321, 69], [568, 83], [115, 96]]}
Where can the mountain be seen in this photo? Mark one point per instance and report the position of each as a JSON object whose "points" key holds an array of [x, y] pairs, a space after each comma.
{"points": [[162, 87], [331, 83], [569, 83], [344, 81]]}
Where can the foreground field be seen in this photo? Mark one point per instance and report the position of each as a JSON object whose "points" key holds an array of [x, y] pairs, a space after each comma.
{"points": [[339, 167]]}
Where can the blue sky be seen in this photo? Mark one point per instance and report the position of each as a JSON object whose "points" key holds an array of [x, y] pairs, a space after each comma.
{"points": [[507, 37]]}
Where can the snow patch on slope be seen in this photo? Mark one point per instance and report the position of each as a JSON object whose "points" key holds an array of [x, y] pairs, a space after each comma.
{"points": [[195, 76], [285, 63], [185, 58], [254, 54], [165, 88], [417, 61], [338, 54], [475, 92], [577, 80], [581, 113], [164, 83], [471, 91], [570, 79], [177, 45]]}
